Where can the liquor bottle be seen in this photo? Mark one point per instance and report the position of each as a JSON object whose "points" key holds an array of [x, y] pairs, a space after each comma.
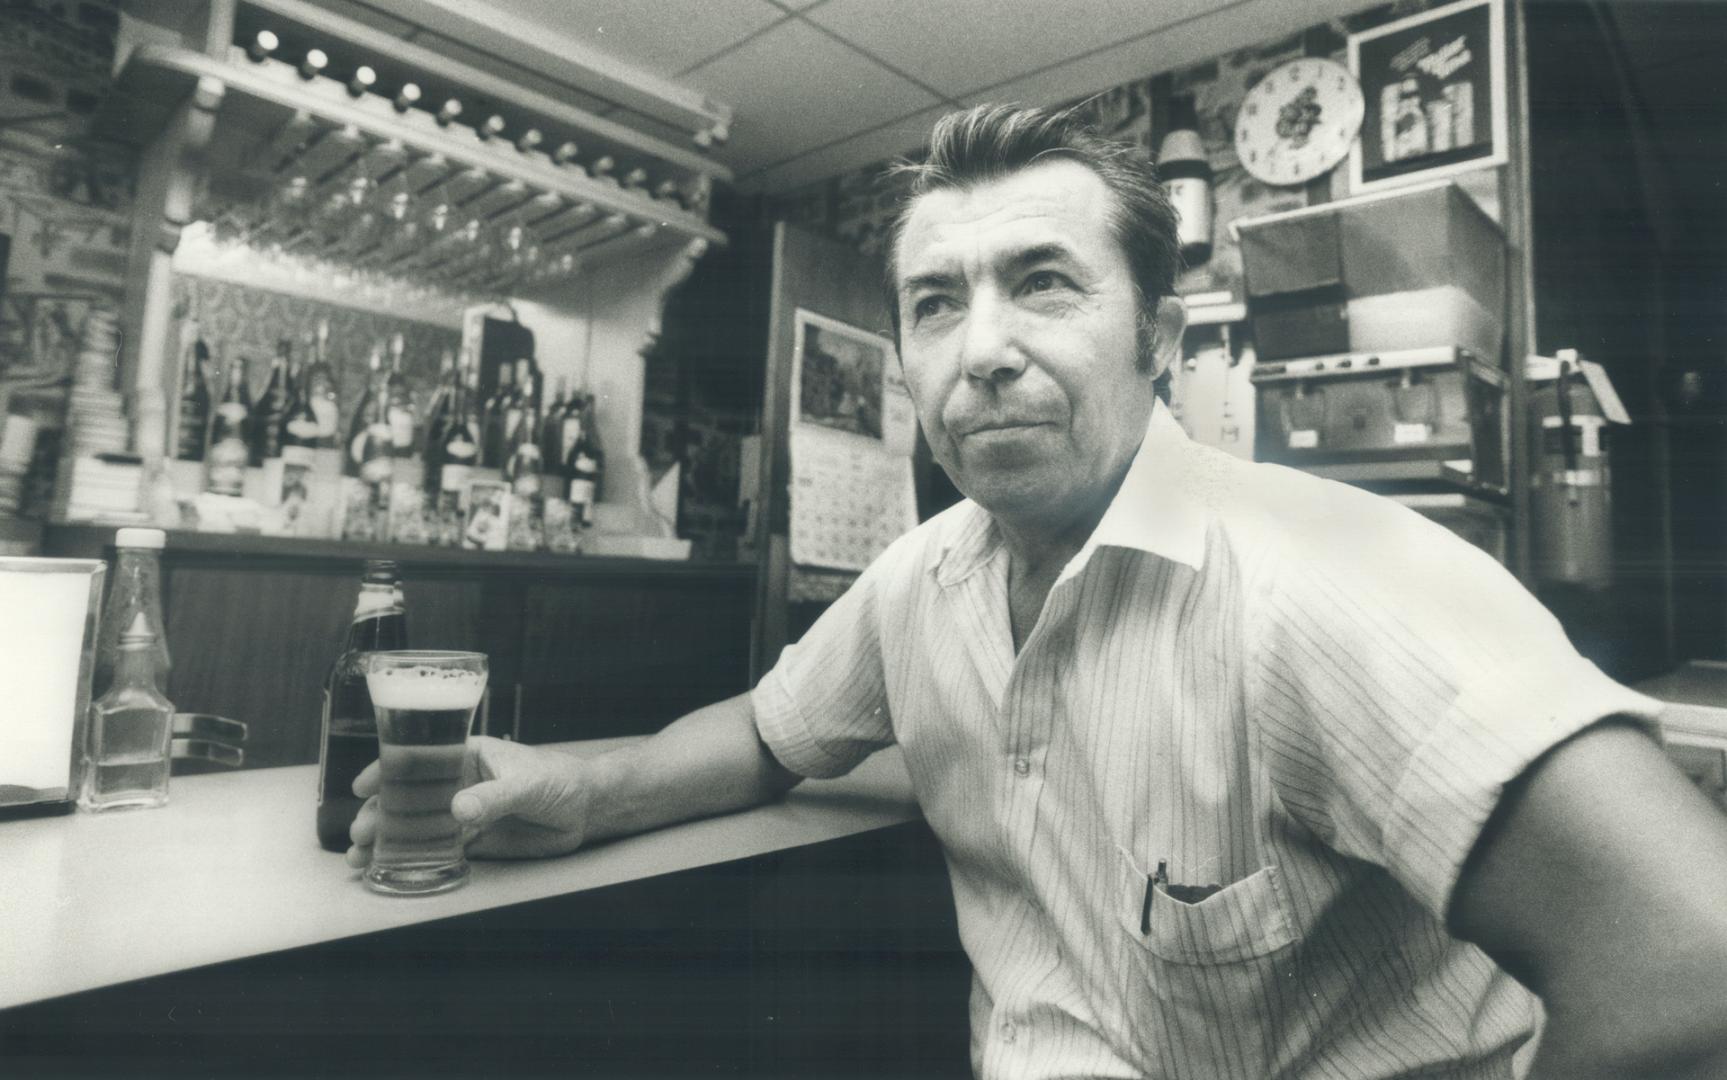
{"points": [[439, 414], [551, 441], [457, 459], [272, 407], [194, 432], [585, 467], [349, 739], [492, 418], [228, 454], [371, 404], [1185, 171], [399, 402], [524, 463], [552, 427], [320, 388], [520, 409], [131, 731], [136, 592], [299, 426], [370, 450]]}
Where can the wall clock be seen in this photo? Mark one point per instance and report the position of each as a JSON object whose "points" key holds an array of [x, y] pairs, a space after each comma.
{"points": [[1298, 121]]}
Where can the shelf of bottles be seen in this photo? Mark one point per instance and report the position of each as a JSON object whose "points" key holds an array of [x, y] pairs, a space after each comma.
{"points": [[322, 164], [517, 470]]}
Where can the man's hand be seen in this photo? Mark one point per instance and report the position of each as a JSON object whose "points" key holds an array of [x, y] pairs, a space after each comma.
{"points": [[516, 802]]}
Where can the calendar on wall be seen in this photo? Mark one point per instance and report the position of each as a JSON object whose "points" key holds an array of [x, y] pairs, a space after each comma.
{"points": [[852, 434]]}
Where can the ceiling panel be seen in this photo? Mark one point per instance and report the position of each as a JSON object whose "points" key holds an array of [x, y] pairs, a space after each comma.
{"points": [[1230, 27], [888, 141], [666, 37], [794, 88], [960, 46]]}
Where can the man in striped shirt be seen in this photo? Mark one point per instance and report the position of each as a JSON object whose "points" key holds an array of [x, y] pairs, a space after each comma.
{"points": [[1239, 773]]}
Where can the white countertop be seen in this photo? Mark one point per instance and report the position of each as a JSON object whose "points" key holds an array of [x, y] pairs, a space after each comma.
{"points": [[231, 868]]}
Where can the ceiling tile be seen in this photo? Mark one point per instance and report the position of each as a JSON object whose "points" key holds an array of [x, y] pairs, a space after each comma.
{"points": [[665, 37], [959, 46], [794, 89], [1234, 26], [892, 140]]}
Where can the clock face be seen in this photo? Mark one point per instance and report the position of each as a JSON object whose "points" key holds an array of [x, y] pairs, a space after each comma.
{"points": [[1298, 121]]}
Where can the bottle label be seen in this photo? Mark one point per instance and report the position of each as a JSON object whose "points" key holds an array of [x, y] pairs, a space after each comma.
{"points": [[581, 492], [325, 409], [569, 437], [299, 456], [401, 428], [305, 430], [232, 411], [456, 476], [526, 483]]}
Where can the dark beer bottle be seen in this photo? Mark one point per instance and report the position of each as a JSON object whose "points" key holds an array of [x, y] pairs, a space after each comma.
{"points": [[350, 731], [272, 407], [194, 403]]}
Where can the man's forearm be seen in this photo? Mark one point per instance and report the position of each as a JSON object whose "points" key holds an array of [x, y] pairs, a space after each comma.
{"points": [[709, 762]]}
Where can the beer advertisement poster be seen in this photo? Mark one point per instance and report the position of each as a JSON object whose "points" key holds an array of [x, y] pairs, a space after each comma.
{"points": [[1434, 87]]}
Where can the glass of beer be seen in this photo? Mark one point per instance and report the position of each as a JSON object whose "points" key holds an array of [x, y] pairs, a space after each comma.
{"points": [[425, 704]]}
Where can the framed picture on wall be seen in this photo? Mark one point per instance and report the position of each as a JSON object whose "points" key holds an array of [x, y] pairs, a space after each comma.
{"points": [[1435, 91]]}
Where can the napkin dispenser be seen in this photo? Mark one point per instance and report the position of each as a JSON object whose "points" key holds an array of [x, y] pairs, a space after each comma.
{"points": [[49, 609]]}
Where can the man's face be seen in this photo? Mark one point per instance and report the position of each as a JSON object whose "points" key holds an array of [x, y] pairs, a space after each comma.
{"points": [[1018, 319]]}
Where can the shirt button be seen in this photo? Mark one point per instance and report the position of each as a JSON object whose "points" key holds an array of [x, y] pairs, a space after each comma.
{"points": [[1022, 766]]}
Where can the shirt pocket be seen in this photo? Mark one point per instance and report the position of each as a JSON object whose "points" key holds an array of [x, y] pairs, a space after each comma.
{"points": [[1211, 979]]}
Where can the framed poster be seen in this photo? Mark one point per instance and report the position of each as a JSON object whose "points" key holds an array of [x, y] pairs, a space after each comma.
{"points": [[1435, 92]]}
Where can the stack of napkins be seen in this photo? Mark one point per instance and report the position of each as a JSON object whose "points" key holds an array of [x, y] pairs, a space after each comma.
{"points": [[100, 488]]}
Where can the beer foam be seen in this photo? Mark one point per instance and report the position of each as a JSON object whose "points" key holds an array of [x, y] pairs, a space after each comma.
{"points": [[425, 688]]}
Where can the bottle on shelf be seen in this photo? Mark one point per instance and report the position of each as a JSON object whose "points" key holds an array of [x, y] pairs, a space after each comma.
{"points": [[493, 417], [136, 592], [349, 735], [371, 406], [439, 412], [399, 402], [585, 467], [1185, 171], [194, 422], [551, 439], [272, 407], [297, 443], [523, 463], [228, 454], [130, 737], [457, 459], [321, 389]]}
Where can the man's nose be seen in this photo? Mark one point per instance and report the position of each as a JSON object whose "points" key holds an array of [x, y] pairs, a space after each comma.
{"points": [[989, 351]]}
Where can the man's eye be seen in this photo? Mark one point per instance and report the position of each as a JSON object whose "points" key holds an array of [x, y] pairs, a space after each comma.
{"points": [[1043, 281], [927, 306]]}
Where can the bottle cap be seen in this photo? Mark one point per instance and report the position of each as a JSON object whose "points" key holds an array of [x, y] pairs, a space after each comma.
{"points": [[380, 572], [141, 538], [139, 633]]}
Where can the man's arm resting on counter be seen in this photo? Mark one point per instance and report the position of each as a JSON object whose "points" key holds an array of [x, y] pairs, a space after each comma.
{"points": [[712, 761], [1601, 883], [530, 801]]}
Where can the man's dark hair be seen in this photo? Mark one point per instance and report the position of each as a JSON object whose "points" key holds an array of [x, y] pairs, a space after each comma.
{"points": [[988, 142]]}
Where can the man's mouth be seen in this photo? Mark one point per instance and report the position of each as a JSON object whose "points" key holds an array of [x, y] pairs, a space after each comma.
{"points": [[999, 425]]}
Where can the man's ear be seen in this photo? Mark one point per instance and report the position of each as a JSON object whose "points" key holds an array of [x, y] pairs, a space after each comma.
{"points": [[1166, 342]]}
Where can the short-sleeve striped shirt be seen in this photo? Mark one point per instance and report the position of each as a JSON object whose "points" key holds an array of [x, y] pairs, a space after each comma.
{"points": [[1300, 700]]}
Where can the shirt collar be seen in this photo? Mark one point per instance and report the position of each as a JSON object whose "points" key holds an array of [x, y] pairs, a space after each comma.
{"points": [[1160, 508]]}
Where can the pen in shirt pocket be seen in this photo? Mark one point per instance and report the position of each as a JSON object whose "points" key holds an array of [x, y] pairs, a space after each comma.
{"points": [[1152, 881]]}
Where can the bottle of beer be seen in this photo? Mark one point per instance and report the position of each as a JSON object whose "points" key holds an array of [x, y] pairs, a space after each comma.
{"points": [[399, 402], [228, 454], [320, 389], [349, 739], [493, 417], [551, 435], [371, 405], [585, 467], [439, 415], [524, 463], [190, 443], [457, 460], [272, 407]]}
